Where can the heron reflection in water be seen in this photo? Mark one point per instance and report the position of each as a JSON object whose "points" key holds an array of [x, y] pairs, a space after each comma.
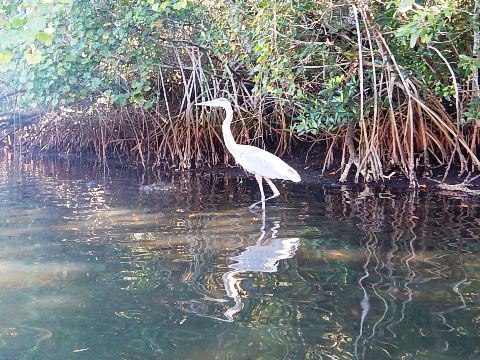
{"points": [[263, 257]]}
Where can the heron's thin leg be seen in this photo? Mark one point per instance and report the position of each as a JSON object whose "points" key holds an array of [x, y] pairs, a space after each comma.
{"points": [[274, 189], [260, 185]]}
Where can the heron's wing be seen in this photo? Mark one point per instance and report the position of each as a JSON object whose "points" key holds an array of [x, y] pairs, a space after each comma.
{"points": [[261, 162]]}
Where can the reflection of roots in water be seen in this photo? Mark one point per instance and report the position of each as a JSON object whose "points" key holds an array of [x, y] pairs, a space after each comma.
{"points": [[402, 256], [456, 290], [264, 257]]}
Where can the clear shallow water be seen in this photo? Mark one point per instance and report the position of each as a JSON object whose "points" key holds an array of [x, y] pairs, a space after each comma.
{"points": [[93, 268]]}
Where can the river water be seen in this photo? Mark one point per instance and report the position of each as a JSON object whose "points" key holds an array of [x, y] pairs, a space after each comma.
{"points": [[95, 263]]}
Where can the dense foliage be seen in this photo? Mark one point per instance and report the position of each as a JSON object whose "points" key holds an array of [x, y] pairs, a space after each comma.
{"points": [[402, 74], [296, 47], [86, 49]]}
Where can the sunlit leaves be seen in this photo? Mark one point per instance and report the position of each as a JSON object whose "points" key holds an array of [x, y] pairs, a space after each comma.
{"points": [[164, 5], [90, 48], [44, 37], [180, 5], [18, 22], [469, 62], [427, 22], [24, 24], [114, 46], [5, 56], [405, 5]]}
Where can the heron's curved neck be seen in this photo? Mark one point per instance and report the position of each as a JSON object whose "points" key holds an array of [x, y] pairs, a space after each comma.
{"points": [[227, 132]]}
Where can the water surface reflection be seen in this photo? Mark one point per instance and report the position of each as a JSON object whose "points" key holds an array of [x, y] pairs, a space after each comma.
{"points": [[263, 257], [93, 266]]}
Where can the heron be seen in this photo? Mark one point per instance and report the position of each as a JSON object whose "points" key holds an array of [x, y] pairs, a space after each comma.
{"points": [[259, 162]]}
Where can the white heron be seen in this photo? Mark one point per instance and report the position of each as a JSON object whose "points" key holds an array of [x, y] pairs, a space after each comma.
{"points": [[259, 162]]}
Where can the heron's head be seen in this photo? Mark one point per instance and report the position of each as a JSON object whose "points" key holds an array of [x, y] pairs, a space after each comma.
{"points": [[220, 102]]}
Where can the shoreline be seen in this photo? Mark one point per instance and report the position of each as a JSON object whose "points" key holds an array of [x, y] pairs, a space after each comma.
{"points": [[310, 172]]}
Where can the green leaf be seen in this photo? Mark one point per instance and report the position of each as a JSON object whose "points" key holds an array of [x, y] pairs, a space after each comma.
{"points": [[5, 56], [164, 5], [465, 61], [17, 22], [44, 37], [182, 4], [155, 7]]}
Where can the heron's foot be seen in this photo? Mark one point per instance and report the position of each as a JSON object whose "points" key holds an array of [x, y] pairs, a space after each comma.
{"points": [[253, 206]]}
